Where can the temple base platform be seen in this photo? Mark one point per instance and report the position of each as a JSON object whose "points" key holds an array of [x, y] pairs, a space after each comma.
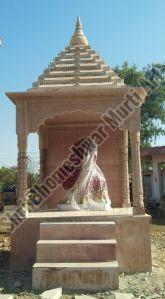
{"points": [[81, 249], [84, 207]]}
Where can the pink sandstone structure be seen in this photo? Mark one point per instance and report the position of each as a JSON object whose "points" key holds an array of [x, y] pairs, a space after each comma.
{"points": [[80, 249]]}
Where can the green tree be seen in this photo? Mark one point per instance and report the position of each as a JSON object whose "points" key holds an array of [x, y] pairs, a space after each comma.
{"points": [[153, 110], [8, 177], [33, 179]]}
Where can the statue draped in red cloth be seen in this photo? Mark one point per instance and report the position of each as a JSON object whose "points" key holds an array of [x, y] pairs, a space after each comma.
{"points": [[87, 187]]}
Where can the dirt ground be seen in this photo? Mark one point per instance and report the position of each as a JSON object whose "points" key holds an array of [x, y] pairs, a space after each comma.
{"points": [[142, 285]]}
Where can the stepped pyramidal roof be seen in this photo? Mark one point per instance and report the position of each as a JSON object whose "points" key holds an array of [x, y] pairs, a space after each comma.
{"points": [[77, 65]]}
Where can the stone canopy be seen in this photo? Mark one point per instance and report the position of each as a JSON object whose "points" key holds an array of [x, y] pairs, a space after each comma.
{"points": [[77, 65], [77, 80]]}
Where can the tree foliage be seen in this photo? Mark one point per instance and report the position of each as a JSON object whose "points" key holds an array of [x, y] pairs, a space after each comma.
{"points": [[8, 177], [153, 110]]}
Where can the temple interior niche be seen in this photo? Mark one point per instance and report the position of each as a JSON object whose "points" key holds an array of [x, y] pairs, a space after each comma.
{"points": [[61, 132]]}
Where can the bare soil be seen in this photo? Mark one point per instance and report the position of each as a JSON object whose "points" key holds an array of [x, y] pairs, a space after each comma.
{"points": [[150, 285], [142, 285]]}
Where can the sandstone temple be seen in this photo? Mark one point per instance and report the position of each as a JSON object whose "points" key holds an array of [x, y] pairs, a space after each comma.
{"points": [[76, 97]]}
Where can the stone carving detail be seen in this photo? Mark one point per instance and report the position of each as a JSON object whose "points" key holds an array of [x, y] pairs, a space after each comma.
{"points": [[22, 129], [38, 113], [124, 170], [21, 118], [136, 171], [132, 122]]}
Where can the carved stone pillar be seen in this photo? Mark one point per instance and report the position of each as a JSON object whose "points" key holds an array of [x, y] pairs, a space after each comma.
{"points": [[43, 146], [22, 174], [125, 170], [22, 206], [137, 185], [43, 152]]}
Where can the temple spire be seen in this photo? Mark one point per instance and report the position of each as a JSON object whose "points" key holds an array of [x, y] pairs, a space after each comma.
{"points": [[78, 24], [78, 38]]}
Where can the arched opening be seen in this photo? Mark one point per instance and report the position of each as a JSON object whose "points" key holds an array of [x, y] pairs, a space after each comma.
{"points": [[59, 133]]}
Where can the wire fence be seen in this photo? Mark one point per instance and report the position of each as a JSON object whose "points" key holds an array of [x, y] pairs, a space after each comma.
{"points": [[8, 191], [8, 181]]}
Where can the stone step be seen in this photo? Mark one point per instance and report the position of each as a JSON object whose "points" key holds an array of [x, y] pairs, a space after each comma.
{"points": [[99, 276], [77, 230], [76, 250]]}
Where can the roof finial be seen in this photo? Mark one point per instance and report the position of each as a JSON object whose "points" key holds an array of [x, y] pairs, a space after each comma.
{"points": [[78, 37], [78, 24]]}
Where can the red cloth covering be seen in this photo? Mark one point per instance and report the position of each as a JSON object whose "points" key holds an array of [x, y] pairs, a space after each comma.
{"points": [[69, 183], [84, 144]]}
